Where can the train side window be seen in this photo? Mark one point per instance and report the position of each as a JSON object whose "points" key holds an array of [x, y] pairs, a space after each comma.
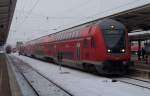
{"points": [[63, 36], [85, 43], [74, 33], [69, 35], [77, 33], [93, 43], [60, 36]]}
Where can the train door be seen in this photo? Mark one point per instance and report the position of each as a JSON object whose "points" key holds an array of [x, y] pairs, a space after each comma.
{"points": [[92, 46], [78, 52], [86, 48]]}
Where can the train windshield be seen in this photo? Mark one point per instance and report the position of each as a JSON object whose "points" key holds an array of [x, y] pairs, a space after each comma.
{"points": [[114, 39]]}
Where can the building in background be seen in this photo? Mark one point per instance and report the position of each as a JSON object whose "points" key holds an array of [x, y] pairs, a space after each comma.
{"points": [[18, 45]]}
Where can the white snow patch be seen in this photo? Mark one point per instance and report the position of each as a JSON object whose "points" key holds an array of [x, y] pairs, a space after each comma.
{"points": [[84, 84]]}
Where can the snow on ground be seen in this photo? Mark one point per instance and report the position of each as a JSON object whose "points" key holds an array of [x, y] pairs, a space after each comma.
{"points": [[26, 90], [84, 84], [40, 84]]}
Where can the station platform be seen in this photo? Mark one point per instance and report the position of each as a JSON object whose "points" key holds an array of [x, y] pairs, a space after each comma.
{"points": [[141, 67], [4, 77], [8, 84]]}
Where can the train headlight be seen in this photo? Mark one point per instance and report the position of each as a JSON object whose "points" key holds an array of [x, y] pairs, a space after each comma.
{"points": [[112, 26], [123, 50], [109, 50]]}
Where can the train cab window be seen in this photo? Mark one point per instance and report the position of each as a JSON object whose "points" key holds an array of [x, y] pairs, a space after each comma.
{"points": [[85, 43], [93, 43]]}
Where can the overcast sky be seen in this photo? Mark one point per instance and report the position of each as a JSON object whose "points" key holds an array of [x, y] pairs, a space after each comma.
{"points": [[35, 18]]}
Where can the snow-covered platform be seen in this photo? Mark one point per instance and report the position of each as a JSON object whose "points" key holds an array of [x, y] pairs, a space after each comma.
{"points": [[84, 84]]}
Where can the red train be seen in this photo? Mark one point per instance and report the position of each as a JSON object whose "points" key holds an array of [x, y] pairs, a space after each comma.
{"points": [[99, 45]]}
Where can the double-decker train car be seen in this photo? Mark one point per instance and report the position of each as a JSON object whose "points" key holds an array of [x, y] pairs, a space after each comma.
{"points": [[100, 45]]}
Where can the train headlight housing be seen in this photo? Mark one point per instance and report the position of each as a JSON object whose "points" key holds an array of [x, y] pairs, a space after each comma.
{"points": [[123, 50], [108, 50]]}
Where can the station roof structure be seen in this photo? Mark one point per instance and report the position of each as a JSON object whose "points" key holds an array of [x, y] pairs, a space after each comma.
{"points": [[144, 35], [7, 8], [135, 19]]}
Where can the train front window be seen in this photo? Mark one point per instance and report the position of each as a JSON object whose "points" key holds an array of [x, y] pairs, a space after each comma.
{"points": [[114, 39]]}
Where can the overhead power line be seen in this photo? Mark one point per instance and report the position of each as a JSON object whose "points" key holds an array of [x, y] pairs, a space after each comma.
{"points": [[77, 6], [132, 2], [52, 17], [29, 13]]}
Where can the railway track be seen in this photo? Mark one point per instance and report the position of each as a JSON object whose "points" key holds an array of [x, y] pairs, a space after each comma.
{"points": [[33, 78], [126, 79], [35, 91], [133, 81]]}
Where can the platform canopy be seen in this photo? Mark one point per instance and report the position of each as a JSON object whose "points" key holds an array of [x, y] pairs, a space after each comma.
{"points": [[144, 35], [135, 19], [7, 8]]}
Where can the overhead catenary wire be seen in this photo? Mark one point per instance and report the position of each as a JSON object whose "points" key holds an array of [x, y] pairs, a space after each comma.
{"points": [[23, 7], [128, 3], [30, 11], [65, 17], [114, 8], [77, 6], [52, 17], [80, 18]]}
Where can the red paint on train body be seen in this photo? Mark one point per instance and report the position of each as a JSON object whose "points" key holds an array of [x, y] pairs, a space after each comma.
{"points": [[103, 44]]}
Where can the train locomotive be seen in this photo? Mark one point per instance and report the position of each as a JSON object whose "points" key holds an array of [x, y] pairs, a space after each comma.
{"points": [[100, 45]]}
